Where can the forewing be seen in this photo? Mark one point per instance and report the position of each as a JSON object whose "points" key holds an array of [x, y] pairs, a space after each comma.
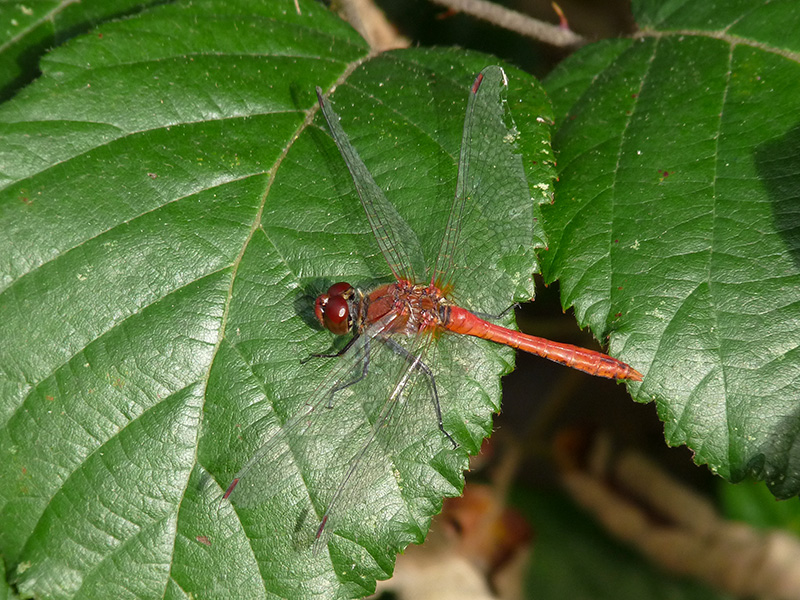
{"points": [[255, 480], [398, 243], [490, 167]]}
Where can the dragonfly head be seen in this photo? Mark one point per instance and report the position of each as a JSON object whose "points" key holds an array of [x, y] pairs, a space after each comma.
{"points": [[333, 309]]}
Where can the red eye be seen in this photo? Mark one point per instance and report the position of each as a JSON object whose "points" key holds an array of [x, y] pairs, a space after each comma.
{"points": [[337, 315], [333, 309], [340, 289]]}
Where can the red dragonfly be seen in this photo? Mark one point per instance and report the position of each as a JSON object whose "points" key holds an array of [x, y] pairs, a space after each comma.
{"points": [[403, 317]]}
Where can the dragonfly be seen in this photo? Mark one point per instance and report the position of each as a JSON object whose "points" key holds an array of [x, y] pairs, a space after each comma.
{"points": [[399, 321]]}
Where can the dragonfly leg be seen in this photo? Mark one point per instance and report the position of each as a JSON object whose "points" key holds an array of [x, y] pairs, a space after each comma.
{"points": [[357, 378], [429, 374], [488, 317], [332, 354]]}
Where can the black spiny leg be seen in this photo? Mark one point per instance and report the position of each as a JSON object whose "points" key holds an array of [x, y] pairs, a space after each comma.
{"points": [[488, 317], [429, 374], [364, 366], [347, 347]]}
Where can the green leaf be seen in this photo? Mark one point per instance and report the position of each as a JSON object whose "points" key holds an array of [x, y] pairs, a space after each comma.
{"points": [[5, 590], [32, 27], [752, 503], [675, 224], [171, 202]]}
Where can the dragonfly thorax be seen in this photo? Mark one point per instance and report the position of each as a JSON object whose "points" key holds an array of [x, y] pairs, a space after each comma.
{"points": [[403, 307], [415, 308]]}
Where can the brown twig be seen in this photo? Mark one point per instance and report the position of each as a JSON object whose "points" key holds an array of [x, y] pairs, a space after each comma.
{"points": [[372, 24], [514, 21], [638, 502]]}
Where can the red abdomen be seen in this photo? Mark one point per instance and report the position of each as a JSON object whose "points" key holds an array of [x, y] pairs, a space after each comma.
{"points": [[595, 363]]}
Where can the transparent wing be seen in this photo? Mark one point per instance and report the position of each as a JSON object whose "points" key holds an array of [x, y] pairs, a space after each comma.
{"points": [[370, 422], [373, 467], [398, 243], [490, 169], [256, 476]]}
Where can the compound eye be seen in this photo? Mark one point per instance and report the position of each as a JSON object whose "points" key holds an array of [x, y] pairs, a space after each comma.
{"points": [[333, 312], [319, 308], [340, 289]]}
